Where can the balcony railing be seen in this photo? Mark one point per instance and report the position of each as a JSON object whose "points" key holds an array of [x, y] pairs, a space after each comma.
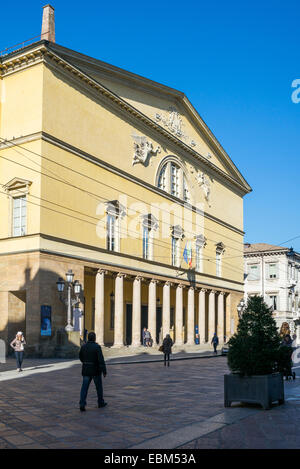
{"points": [[21, 45]]}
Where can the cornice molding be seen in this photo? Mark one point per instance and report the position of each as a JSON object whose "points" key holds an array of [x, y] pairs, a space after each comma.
{"points": [[43, 53], [265, 253], [9, 65], [118, 266]]}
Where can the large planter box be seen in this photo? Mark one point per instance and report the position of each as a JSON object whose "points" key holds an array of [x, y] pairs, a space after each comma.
{"points": [[262, 390]]}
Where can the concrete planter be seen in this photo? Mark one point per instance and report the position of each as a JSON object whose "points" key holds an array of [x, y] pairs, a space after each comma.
{"points": [[262, 390]]}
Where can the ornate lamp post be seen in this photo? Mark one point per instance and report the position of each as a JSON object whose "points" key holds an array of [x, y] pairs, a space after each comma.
{"points": [[73, 290], [240, 307]]}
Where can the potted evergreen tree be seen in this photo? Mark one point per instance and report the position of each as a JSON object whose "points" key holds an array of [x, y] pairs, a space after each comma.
{"points": [[253, 358]]}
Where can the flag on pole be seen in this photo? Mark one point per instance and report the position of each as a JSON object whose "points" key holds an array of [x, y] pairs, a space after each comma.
{"points": [[187, 253]]}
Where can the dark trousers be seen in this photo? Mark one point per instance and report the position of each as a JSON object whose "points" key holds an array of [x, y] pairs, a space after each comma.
{"points": [[19, 358], [86, 381], [215, 347], [167, 358]]}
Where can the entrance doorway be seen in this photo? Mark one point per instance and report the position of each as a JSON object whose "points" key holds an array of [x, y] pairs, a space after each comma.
{"points": [[158, 322], [128, 324]]}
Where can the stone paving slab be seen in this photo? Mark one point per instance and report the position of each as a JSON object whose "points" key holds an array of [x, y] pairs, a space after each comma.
{"points": [[145, 402], [277, 428], [150, 406]]}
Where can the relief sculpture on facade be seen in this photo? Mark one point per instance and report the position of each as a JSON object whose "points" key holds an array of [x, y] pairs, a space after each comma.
{"points": [[204, 182], [173, 122], [143, 149]]}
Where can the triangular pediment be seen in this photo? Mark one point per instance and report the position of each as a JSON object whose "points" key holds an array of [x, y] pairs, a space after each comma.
{"points": [[16, 184], [167, 108]]}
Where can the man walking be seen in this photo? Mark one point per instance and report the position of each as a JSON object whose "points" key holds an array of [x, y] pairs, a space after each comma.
{"points": [[93, 365], [215, 342]]}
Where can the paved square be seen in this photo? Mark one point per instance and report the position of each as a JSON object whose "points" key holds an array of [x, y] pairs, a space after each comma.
{"points": [[150, 406]]}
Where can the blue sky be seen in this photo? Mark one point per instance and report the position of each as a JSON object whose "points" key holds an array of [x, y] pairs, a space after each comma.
{"points": [[234, 60]]}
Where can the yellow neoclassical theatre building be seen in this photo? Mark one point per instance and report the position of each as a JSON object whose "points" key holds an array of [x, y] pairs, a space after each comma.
{"points": [[117, 178]]}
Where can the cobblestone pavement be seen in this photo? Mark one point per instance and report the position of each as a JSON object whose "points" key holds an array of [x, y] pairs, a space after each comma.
{"points": [[150, 406]]}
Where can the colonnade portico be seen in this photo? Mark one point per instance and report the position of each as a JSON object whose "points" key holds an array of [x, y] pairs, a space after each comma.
{"points": [[206, 302]]}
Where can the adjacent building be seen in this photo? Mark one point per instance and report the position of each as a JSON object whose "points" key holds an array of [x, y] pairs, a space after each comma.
{"points": [[117, 178], [274, 273]]}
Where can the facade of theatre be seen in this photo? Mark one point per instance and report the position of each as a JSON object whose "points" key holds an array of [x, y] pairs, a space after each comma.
{"points": [[112, 176]]}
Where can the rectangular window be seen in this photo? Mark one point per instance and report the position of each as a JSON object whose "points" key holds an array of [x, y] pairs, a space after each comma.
{"points": [[274, 302], [253, 272], [19, 216], [146, 233], [273, 271], [110, 233]]}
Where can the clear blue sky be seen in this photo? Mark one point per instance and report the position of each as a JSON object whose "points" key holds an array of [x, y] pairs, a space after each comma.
{"points": [[234, 60]]}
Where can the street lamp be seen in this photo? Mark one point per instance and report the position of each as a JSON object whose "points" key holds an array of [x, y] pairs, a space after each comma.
{"points": [[73, 289], [240, 307]]}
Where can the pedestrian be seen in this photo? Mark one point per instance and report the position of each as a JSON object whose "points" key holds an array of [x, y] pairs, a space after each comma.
{"points": [[215, 342], [167, 348], [286, 356], [287, 340], [93, 365], [18, 345], [144, 336], [147, 338]]}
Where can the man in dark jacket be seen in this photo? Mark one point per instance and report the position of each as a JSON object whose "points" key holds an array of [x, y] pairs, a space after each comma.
{"points": [[93, 365], [215, 342]]}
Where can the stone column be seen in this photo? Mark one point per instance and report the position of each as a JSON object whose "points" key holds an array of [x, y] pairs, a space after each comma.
{"points": [[136, 312], [211, 315], [191, 317], [201, 315], [228, 316], [152, 309], [179, 315], [166, 310], [119, 311], [220, 331], [99, 306]]}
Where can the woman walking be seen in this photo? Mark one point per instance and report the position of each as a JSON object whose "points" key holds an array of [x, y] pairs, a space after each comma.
{"points": [[18, 345], [167, 349]]}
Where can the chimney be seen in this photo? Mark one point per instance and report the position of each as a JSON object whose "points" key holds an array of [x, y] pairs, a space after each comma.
{"points": [[48, 24]]}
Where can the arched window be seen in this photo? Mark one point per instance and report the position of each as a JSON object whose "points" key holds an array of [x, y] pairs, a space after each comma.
{"points": [[172, 179]]}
